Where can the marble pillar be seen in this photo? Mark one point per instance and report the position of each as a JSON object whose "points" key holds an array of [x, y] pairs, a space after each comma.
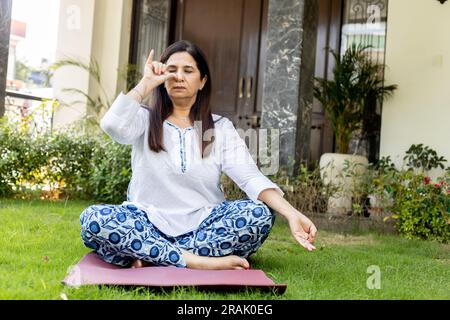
{"points": [[5, 27], [284, 105]]}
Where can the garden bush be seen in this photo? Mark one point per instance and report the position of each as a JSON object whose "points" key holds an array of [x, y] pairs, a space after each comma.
{"points": [[78, 165], [22, 160], [305, 190], [421, 207], [110, 171], [65, 164]]}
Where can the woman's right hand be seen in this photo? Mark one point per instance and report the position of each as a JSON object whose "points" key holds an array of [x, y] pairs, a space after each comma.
{"points": [[155, 73]]}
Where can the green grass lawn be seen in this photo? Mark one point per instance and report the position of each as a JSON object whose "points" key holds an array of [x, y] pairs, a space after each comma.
{"points": [[40, 240]]}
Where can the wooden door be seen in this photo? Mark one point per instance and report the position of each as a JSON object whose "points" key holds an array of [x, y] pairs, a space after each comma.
{"points": [[328, 36], [229, 32]]}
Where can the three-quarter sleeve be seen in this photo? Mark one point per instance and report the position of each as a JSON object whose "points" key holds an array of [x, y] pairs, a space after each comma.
{"points": [[126, 120], [238, 164]]}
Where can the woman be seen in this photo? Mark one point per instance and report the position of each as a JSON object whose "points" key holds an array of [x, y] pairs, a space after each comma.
{"points": [[176, 213]]}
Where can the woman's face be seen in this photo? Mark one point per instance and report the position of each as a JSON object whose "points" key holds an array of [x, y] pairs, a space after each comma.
{"points": [[188, 81]]}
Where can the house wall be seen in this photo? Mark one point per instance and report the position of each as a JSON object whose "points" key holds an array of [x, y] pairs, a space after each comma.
{"points": [[110, 44], [75, 29], [88, 29], [418, 60]]}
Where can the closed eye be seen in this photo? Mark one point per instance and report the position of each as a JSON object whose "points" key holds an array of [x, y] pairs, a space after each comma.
{"points": [[187, 70]]}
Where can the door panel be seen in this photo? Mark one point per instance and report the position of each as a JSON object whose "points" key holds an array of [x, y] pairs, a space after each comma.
{"points": [[328, 36], [248, 72], [229, 33]]}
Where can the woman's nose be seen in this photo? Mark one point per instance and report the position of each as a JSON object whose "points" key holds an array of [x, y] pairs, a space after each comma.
{"points": [[180, 76]]}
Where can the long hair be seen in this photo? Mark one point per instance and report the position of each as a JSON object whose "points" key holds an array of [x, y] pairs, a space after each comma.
{"points": [[162, 107]]}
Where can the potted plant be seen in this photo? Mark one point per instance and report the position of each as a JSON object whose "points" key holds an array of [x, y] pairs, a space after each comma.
{"points": [[356, 80]]}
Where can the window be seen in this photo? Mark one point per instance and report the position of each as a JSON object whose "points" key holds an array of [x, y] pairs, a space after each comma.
{"points": [[150, 30], [364, 22]]}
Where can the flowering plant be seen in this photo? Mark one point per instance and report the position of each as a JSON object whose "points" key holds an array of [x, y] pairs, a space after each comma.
{"points": [[422, 206]]}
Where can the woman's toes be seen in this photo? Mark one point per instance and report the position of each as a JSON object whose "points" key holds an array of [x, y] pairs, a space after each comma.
{"points": [[246, 264], [137, 264], [241, 263]]}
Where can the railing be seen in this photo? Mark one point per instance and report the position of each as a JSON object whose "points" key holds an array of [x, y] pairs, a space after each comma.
{"points": [[29, 111]]}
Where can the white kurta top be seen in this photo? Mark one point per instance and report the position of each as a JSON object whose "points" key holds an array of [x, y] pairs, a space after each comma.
{"points": [[178, 189]]}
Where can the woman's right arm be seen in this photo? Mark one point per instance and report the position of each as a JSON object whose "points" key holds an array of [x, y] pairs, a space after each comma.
{"points": [[126, 120]]}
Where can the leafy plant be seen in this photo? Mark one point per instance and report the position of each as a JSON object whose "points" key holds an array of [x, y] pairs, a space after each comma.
{"points": [[355, 79], [384, 164], [421, 207], [99, 103], [306, 190], [358, 178], [423, 157], [131, 74], [110, 171], [96, 105], [65, 164], [22, 70]]}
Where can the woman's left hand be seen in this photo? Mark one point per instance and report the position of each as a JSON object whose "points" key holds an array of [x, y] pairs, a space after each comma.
{"points": [[303, 230]]}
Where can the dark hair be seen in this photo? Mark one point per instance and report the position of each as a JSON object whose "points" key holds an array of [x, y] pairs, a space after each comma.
{"points": [[162, 105]]}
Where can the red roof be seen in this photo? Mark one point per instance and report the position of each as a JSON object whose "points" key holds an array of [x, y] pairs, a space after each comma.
{"points": [[18, 28]]}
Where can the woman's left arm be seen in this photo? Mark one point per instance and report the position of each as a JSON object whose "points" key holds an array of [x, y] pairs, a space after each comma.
{"points": [[237, 163], [302, 228]]}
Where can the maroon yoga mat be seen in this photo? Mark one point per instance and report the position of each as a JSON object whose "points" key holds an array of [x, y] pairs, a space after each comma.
{"points": [[92, 270]]}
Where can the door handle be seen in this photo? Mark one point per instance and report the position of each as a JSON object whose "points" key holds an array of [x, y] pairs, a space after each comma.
{"points": [[249, 87], [241, 87], [254, 120]]}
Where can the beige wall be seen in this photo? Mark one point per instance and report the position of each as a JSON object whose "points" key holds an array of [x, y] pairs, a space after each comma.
{"points": [[110, 43], [75, 28], [103, 34], [418, 60]]}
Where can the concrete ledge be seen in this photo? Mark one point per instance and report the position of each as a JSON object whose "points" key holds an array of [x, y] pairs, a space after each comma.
{"points": [[352, 223]]}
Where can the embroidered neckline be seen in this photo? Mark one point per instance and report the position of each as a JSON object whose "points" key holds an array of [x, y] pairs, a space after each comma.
{"points": [[177, 127], [182, 137]]}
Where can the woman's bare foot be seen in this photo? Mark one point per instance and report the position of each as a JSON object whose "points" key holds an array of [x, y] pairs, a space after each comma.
{"points": [[140, 264], [214, 263]]}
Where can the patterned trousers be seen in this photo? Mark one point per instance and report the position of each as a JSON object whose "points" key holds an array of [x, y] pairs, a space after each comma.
{"points": [[120, 234]]}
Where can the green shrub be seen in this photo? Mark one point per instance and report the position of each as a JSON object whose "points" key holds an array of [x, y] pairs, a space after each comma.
{"points": [[372, 191], [230, 189], [305, 191], [423, 158], [21, 160], [68, 163], [73, 164], [421, 207], [110, 171]]}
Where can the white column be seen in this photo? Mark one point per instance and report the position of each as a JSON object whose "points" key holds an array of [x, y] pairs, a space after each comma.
{"points": [[75, 31]]}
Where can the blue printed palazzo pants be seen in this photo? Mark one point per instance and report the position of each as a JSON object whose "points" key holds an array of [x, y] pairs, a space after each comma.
{"points": [[120, 234]]}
